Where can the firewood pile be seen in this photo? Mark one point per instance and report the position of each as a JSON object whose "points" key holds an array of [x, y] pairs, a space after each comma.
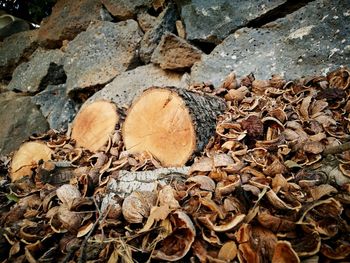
{"points": [[254, 171]]}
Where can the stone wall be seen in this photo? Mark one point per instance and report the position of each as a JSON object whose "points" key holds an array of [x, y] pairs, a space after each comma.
{"points": [[115, 49]]}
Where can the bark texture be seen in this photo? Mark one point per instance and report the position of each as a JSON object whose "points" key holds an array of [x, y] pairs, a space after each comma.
{"points": [[128, 181], [171, 123], [204, 110]]}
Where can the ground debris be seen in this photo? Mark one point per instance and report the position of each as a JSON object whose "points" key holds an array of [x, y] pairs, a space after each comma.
{"points": [[264, 189]]}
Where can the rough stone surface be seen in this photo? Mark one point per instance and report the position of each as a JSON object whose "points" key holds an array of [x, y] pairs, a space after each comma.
{"points": [[127, 86], [312, 40], [14, 50], [100, 53], [58, 109], [19, 118], [146, 21], [68, 19], [3, 87], [29, 76], [165, 23], [125, 9], [175, 53], [213, 20]]}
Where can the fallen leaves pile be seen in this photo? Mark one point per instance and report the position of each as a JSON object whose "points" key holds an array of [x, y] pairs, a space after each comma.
{"points": [[273, 185]]}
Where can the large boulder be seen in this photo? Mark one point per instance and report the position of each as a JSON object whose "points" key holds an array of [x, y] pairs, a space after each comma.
{"points": [[164, 23], [127, 86], [45, 67], [19, 119], [213, 20], [126, 9], [54, 104], [102, 52], [175, 53], [312, 40], [68, 19], [16, 49]]}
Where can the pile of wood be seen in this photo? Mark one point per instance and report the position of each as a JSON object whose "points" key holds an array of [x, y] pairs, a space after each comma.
{"points": [[255, 171], [169, 123]]}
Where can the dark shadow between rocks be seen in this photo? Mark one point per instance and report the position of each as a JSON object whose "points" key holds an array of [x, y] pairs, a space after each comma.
{"points": [[281, 11], [206, 47], [81, 95], [55, 76]]}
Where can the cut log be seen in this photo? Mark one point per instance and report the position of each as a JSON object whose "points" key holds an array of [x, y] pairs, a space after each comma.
{"points": [[27, 158], [94, 124], [171, 123]]}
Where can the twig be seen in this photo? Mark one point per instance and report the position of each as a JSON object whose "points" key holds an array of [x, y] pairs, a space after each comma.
{"points": [[337, 149], [70, 254], [82, 258]]}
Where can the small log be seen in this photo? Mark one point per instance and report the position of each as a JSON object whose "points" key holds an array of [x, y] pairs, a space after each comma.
{"points": [[94, 124], [171, 123], [27, 158], [128, 182]]}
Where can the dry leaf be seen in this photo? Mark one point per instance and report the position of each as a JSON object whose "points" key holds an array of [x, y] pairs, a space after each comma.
{"points": [[204, 182], [228, 251], [85, 229], [137, 206], [167, 199], [284, 253], [157, 213], [178, 243]]}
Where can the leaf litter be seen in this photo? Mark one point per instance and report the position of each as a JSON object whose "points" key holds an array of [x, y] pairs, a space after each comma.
{"points": [[271, 186]]}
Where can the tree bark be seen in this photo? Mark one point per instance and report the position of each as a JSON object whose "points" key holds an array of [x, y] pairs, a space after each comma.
{"points": [[171, 123], [127, 181]]}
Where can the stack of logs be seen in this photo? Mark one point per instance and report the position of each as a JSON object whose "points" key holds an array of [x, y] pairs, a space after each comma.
{"points": [[170, 123]]}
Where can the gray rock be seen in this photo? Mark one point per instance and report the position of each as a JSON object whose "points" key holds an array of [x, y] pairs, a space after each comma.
{"points": [[19, 119], [58, 109], [14, 50], [175, 53], [312, 40], [125, 9], [213, 20], [165, 23], [3, 88], [127, 86], [29, 76], [100, 53]]}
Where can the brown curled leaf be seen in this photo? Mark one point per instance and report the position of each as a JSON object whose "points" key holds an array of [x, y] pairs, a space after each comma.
{"points": [[178, 243]]}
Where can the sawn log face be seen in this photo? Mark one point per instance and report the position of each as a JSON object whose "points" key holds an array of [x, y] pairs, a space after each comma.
{"points": [[171, 123], [204, 110]]}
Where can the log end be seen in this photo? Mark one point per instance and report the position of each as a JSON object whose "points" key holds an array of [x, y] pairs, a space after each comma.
{"points": [[159, 122], [94, 124], [27, 157]]}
